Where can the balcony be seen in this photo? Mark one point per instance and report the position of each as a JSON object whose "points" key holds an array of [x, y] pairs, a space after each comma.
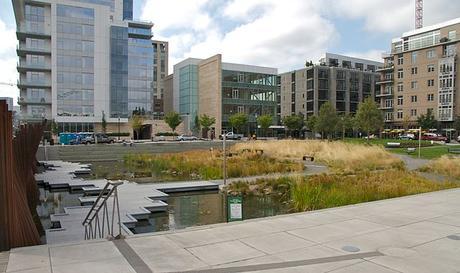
{"points": [[386, 68], [386, 79], [33, 101], [386, 107], [34, 83], [384, 94], [33, 117], [22, 50], [23, 33], [41, 67]]}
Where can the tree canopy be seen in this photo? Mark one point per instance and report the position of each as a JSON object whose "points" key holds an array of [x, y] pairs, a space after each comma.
{"points": [[293, 123], [173, 119], [264, 121], [206, 122], [369, 117], [427, 121], [327, 119], [104, 123], [136, 123], [238, 121]]}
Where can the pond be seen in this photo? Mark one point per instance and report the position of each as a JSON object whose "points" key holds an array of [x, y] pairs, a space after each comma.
{"points": [[184, 210]]}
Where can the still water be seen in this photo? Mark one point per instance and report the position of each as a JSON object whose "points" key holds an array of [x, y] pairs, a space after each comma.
{"points": [[184, 210]]}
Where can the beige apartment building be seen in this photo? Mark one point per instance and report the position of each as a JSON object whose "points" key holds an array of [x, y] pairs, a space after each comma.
{"points": [[344, 81], [160, 71], [420, 76]]}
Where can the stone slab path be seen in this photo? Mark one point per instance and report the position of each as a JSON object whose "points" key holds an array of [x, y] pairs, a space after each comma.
{"points": [[419, 233]]}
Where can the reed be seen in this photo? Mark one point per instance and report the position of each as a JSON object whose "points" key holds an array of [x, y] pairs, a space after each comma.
{"points": [[445, 165]]}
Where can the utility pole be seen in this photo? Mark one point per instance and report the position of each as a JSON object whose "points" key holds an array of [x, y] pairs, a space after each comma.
{"points": [[225, 157], [418, 14]]}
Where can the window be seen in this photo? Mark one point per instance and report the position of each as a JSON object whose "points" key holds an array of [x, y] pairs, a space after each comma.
{"points": [[430, 54], [414, 57], [240, 109], [430, 82], [399, 114], [452, 35], [389, 103], [413, 112], [400, 87], [413, 98], [235, 93], [414, 70], [430, 68], [400, 100], [413, 85], [400, 74], [400, 60], [430, 97]]}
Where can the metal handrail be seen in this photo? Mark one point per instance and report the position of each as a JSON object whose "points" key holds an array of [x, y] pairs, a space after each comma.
{"points": [[93, 227]]}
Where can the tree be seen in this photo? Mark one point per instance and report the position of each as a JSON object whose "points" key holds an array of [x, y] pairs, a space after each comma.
{"points": [[196, 125], [327, 119], [104, 123], [427, 121], [369, 117], [293, 123], [265, 121], [238, 121], [345, 123], [173, 119], [137, 121], [54, 128], [206, 122], [311, 124]]}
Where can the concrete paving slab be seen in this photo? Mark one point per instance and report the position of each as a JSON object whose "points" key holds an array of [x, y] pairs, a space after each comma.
{"points": [[28, 258], [363, 267], [415, 264], [225, 252], [337, 231], [82, 253], [113, 265], [35, 270], [276, 242], [451, 219]]}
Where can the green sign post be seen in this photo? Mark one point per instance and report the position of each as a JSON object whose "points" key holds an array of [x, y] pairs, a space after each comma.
{"points": [[234, 208]]}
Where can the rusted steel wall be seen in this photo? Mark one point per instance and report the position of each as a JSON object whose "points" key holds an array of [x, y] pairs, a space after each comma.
{"points": [[19, 194]]}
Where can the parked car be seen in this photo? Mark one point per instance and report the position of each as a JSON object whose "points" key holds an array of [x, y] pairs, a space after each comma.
{"points": [[434, 137], [458, 138], [186, 138], [407, 137], [231, 135], [101, 138]]}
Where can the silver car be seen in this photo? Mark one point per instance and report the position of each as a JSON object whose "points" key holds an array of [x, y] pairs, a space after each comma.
{"points": [[186, 138]]}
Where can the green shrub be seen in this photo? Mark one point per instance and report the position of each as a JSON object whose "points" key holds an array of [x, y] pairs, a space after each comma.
{"points": [[166, 134]]}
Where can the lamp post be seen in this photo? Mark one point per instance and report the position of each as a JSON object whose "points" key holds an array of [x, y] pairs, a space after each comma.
{"points": [[118, 127], [225, 157]]}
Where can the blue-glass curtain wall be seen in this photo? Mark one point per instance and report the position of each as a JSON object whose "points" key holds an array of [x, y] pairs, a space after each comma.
{"points": [[119, 72]]}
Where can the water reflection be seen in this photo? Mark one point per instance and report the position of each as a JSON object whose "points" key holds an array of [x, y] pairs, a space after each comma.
{"points": [[54, 203]]}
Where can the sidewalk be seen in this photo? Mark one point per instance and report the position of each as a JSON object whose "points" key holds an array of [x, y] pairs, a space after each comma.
{"points": [[418, 233]]}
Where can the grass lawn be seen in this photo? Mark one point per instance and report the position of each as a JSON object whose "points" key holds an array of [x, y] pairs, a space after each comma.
{"points": [[304, 193], [426, 152], [383, 141]]}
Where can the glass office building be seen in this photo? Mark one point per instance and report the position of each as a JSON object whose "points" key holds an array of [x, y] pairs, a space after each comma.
{"points": [[80, 60]]}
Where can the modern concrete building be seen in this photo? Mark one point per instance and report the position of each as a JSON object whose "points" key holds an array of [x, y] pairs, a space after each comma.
{"points": [[160, 71], [168, 104], [79, 59], [342, 80], [221, 89], [421, 75]]}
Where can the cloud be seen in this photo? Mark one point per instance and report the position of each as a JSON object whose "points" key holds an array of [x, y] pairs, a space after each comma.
{"points": [[8, 37], [393, 16], [8, 74]]}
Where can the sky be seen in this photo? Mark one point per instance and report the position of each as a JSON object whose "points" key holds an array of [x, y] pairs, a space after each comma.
{"points": [[275, 33]]}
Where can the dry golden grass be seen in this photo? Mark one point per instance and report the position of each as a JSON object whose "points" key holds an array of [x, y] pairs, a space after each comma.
{"points": [[444, 165], [337, 155]]}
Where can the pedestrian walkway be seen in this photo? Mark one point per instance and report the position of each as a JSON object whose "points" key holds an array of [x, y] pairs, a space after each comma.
{"points": [[419, 233]]}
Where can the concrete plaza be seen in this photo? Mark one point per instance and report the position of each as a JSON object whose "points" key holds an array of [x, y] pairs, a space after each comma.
{"points": [[418, 233]]}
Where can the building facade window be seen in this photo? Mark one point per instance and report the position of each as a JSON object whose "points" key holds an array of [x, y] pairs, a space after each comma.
{"points": [[414, 70], [430, 82], [399, 114], [400, 73], [400, 60], [430, 97], [430, 68], [400, 100], [430, 54], [413, 84], [413, 112], [414, 57], [413, 98], [400, 87]]}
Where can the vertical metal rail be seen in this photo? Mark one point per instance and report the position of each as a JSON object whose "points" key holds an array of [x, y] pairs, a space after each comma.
{"points": [[98, 223]]}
